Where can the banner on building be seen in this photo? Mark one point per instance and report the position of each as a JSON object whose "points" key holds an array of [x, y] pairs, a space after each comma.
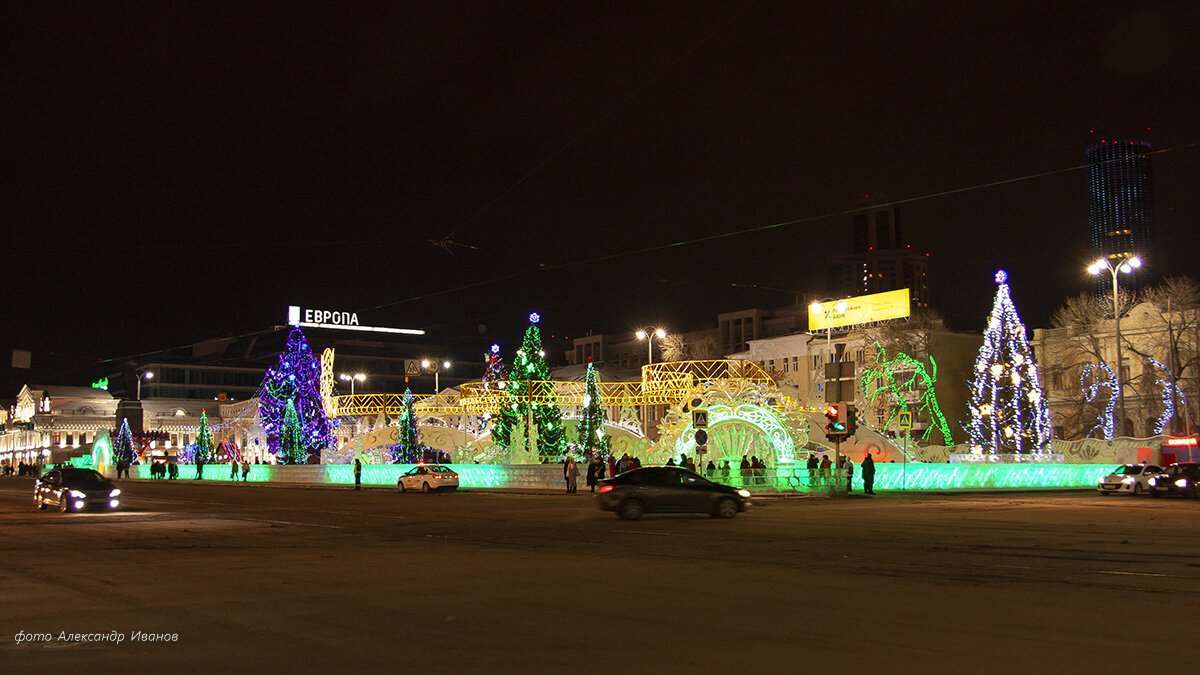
{"points": [[861, 309]]}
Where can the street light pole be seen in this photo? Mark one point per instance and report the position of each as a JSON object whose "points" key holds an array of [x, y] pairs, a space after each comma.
{"points": [[427, 365], [649, 338], [1127, 266], [149, 375]]}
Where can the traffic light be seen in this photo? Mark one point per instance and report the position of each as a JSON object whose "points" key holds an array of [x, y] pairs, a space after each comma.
{"points": [[851, 419], [835, 430]]}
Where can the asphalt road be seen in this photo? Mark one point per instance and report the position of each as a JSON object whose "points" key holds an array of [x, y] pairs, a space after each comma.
{"points": [[257, 578]]}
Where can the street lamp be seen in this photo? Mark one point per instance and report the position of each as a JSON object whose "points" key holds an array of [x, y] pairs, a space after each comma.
{"points": [[356, 377], [649, 338], [828, 310], [147, 374], [436, 368], [1127, 266]]}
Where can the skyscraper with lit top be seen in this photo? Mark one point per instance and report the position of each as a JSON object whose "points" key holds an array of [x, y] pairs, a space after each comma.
{"points": [[1120, 204]]}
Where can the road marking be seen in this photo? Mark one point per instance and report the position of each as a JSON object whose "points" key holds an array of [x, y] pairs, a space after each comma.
{"points": [[654, 534]]}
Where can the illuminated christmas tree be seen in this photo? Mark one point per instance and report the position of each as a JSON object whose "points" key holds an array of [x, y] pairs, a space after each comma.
{"points": [[204, 440], [291, 440], [591, 418], [408, 445], [1009, 414], [122, 448], [494, 381], [530, 399], [295, 379]]}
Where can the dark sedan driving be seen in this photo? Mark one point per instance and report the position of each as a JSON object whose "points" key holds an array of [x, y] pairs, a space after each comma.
{"points": [[75, 490], [1177, 479], [668, 489]]}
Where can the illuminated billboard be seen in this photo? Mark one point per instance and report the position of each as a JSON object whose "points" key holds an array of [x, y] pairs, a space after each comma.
{"points": [[861, 309]]}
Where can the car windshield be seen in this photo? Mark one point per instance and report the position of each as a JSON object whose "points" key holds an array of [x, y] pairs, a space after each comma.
{"points": [[1131, 469], [84, 477], [1177, 469]]}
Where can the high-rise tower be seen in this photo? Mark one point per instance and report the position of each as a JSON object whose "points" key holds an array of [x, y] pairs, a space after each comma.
{"points": [[1120, 202]]}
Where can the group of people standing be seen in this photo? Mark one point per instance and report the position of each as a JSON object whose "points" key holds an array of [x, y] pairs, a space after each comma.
{"points": [[159, 470], [820, 478], [22, 469]]}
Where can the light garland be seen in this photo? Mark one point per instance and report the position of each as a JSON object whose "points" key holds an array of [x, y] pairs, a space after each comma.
{"points": [[1106, 421], [528, 370], [882, 379], [1169, 391], [296, 378], [1008, 413]]}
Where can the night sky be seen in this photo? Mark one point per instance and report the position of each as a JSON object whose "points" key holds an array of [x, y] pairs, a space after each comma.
{"points": [[178, 171]]}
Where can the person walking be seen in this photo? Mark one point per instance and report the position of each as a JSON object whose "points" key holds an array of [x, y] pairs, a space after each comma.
{"points": [[593, 469], [570, 474], [172, 471], [357, 474], [233, 467], [849, 474], [812, 471], [199, 469], [245, 469], [826, 465], [868, 474]]}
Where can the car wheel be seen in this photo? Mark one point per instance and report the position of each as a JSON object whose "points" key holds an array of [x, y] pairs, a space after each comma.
{"points": [[40, 504], [1137, 489], [727, 508], [62, 504], [631, 509], [425, 488], [400, 486]]}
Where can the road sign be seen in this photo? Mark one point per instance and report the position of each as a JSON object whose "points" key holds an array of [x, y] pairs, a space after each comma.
{"points": [[904, 420], [701, 437], [412, 369], [699, 419]]}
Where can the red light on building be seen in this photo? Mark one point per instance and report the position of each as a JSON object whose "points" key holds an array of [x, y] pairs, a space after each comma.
{"points": [[1190, 441]]}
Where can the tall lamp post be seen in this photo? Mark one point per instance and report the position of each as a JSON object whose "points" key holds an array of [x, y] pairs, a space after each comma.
{"points": [[436, 368], [649, 336], [1115, 268], [145, 374], [356, 377]]}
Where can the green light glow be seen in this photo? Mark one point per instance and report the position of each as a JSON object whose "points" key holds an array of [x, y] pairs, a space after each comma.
{"points": [[882, 378]]}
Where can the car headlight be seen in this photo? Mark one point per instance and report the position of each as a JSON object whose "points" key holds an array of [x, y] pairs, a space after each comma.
{"points": [[114, 493], [78, 495], [744, 493], [1182, 482], [1154, 481], [1129, 480]]}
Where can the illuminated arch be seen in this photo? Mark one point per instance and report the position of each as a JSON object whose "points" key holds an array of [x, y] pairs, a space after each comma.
{"points": [[101, 450], [763, 419]]}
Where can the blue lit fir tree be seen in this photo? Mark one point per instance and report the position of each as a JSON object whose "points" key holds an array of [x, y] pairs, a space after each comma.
{"points": [[296, 378], [204, 440], [408, 438], [122, 448], [528, 396], [1009, 414], [495, 379], [590, 437]]}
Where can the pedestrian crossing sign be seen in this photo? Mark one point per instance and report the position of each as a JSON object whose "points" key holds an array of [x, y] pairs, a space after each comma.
{"points": [[699, 419], [904, 420]]}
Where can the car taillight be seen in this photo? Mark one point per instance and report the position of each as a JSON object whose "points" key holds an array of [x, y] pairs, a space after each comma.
{"points": [[606, 488]]}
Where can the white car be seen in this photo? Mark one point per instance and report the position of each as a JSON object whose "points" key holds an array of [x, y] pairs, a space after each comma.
{"points": [[1131, 479], [428, 478]]}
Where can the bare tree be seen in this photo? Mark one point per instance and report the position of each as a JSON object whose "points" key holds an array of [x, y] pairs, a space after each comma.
{"points": [[908, 336], [674, 347], [1172, 315]]}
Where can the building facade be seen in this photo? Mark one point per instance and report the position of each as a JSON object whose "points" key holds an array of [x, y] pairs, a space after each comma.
{"points": [[1120, 204]]}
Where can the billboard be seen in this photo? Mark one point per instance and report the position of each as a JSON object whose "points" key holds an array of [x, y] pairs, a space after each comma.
{"points": [[861, 309]]}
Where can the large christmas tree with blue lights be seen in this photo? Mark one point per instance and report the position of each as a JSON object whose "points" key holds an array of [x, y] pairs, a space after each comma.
{"points": [[1009, 414], [296, 379], [122, 448]]}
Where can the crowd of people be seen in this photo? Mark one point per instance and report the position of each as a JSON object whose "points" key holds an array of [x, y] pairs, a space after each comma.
{"points": [[21, 469]]}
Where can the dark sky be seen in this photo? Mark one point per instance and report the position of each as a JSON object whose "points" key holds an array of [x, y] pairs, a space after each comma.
{"points": [[175, 171]]}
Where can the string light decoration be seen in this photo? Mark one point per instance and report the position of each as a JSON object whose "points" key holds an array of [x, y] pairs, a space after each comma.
{"points": [[296, 379], [1009, 414], [204, 440], [1169, 391], [542, 415], [591, 417], [408, 438], [903, 374], [1106, 422], [494, 377], [291, 439], [122, 449]]}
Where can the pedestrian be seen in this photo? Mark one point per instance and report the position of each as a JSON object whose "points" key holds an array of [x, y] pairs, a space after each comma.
{"points": [[593, 470], [172, 470], [812, 471], [600, 470], [849, 475], [199, 469], [725, 471], [744, 470], [357, 474], [710, 470], [671, 461], [245, 469], [868, 474], [571, 474], [233, 467], [825, 467]]}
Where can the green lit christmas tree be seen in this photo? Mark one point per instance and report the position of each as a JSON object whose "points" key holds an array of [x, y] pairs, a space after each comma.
{"points": [[530, 400], [204, 440], [408, 444], [591, 418], [291, 438]]}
